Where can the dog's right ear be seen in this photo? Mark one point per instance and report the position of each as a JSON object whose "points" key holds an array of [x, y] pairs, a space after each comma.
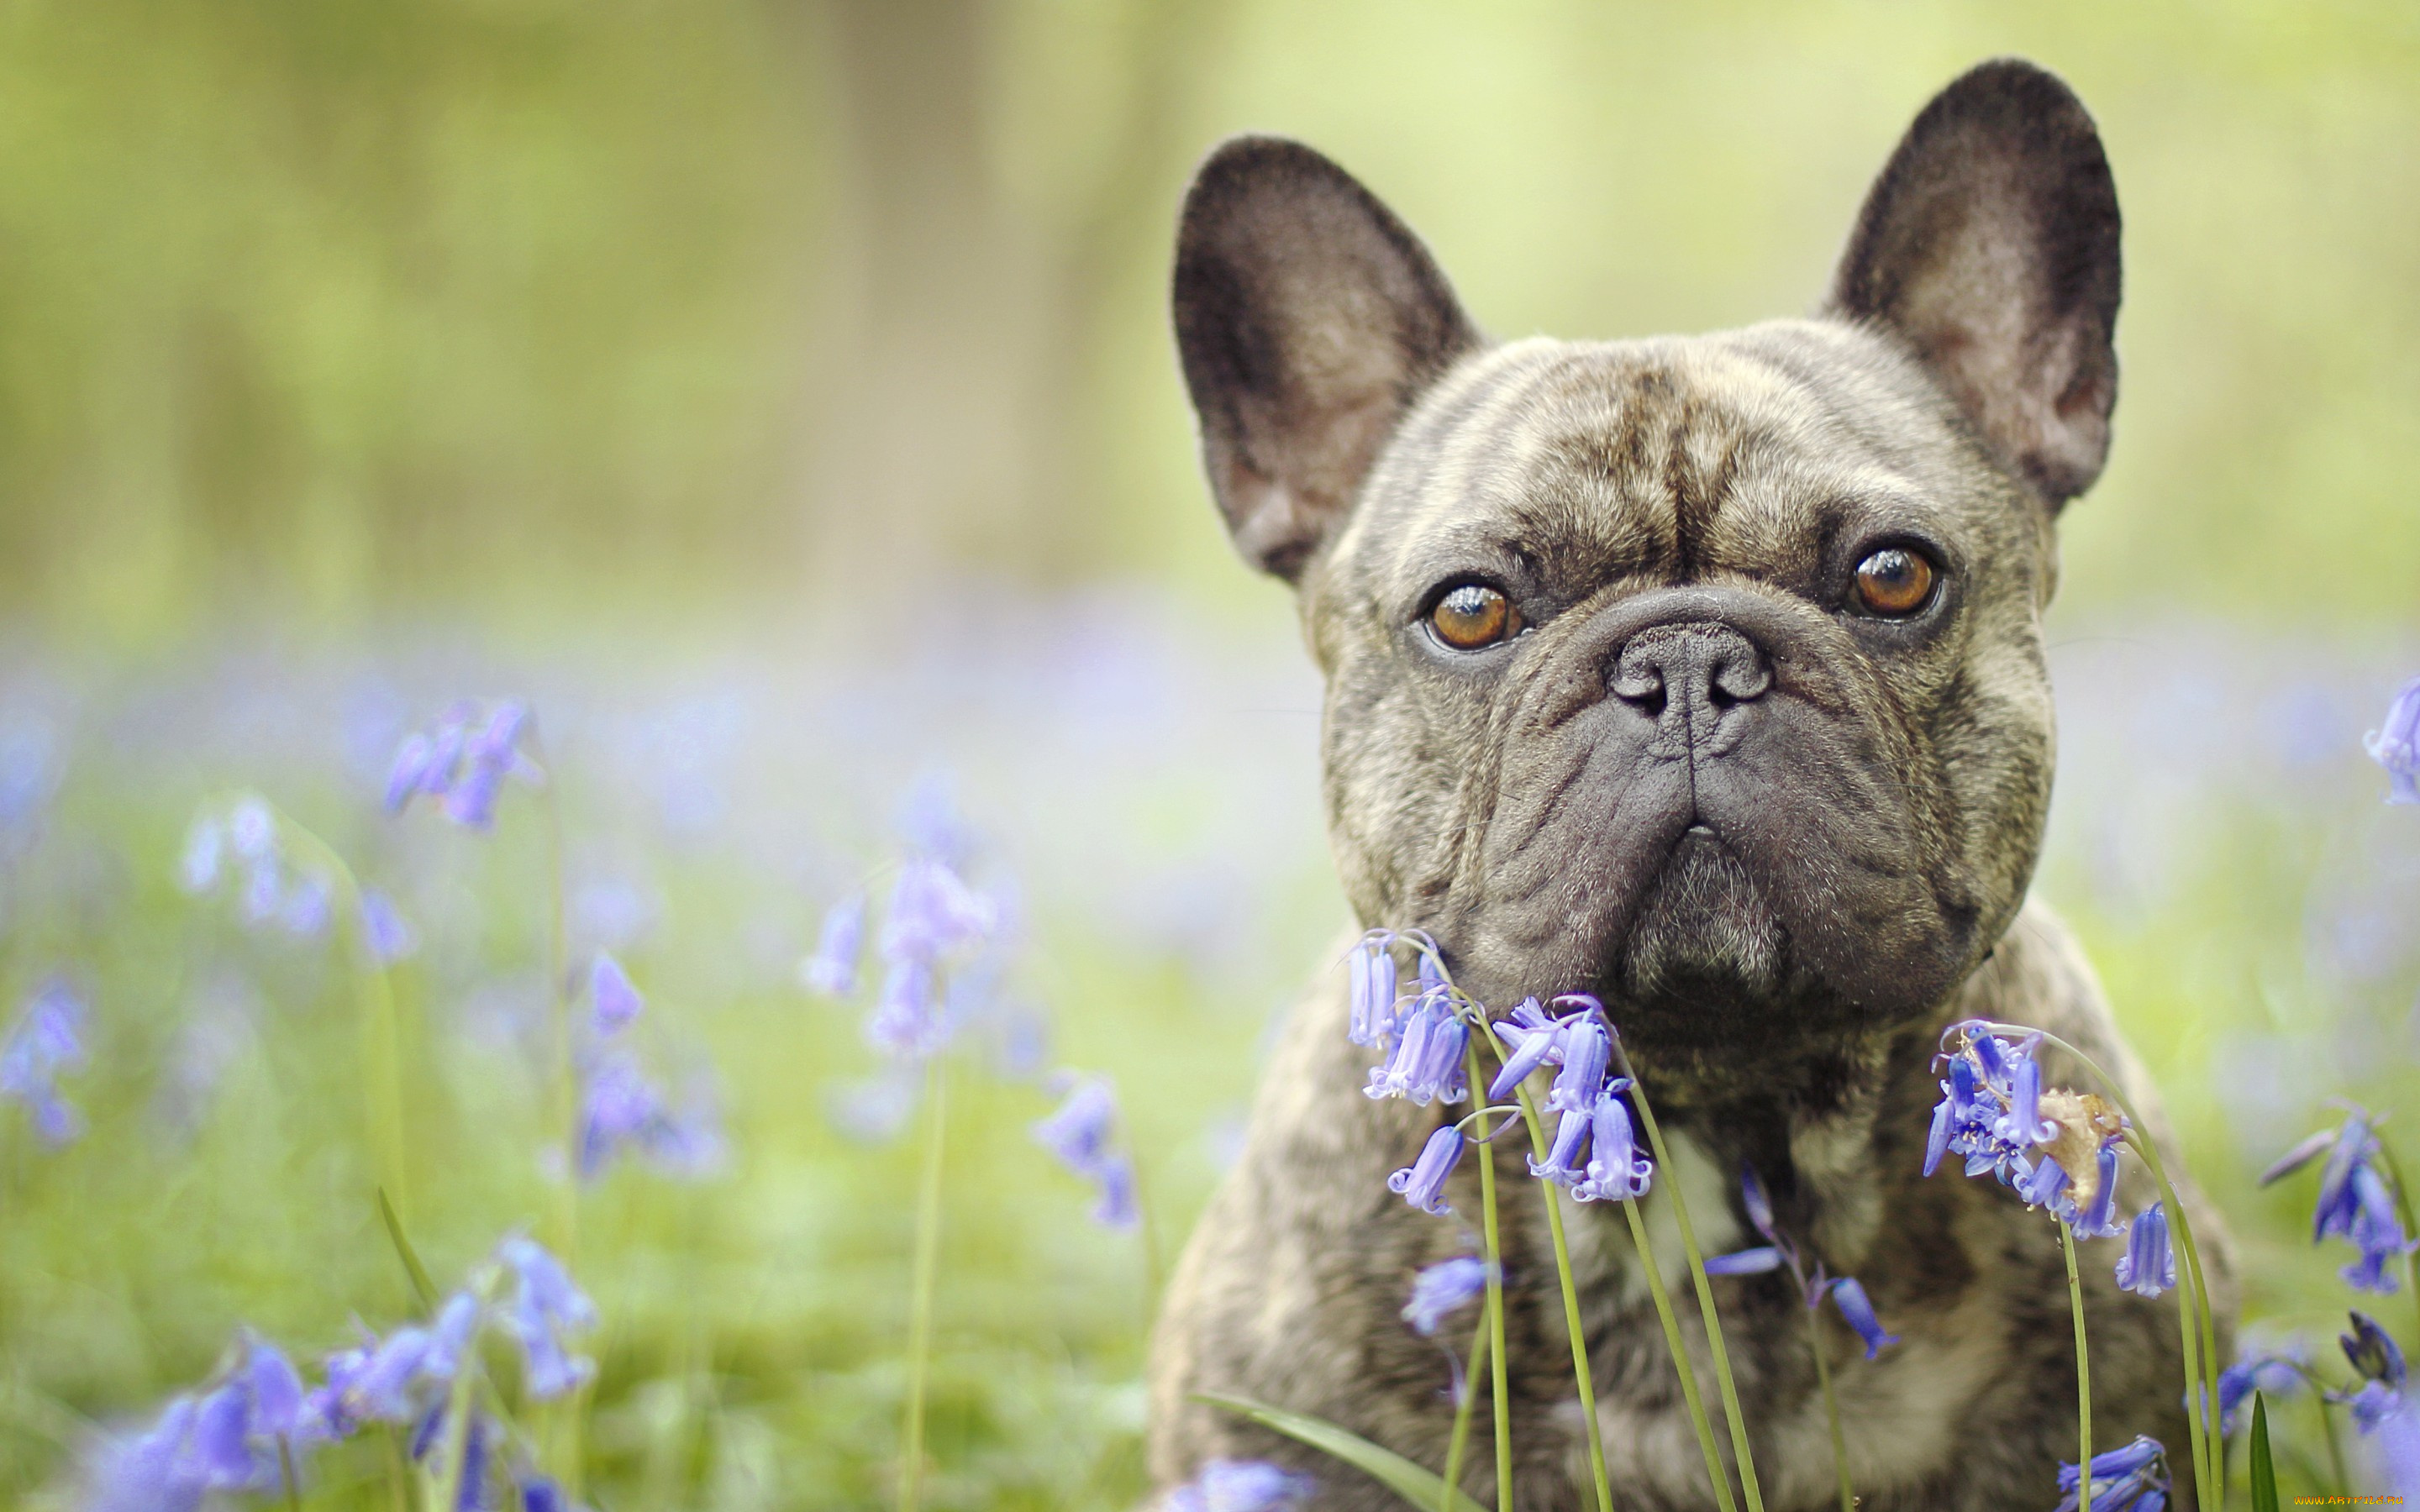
{"points": [[1308, 318]]}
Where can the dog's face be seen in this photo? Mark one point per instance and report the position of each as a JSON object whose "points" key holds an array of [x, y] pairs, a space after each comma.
{"points": [[1704, 673]]}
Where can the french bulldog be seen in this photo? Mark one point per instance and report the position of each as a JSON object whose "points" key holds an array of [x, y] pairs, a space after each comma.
{"points": [[1704, 674]]}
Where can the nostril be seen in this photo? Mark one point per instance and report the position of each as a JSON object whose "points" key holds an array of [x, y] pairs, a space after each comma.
{"points": [[1737, 679], [1638, 680]]}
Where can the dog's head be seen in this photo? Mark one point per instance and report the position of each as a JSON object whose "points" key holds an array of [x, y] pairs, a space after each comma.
{"points": [[1704, 673]]}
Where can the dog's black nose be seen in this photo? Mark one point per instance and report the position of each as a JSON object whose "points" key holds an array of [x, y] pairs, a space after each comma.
{"points": [[1690, 674]]}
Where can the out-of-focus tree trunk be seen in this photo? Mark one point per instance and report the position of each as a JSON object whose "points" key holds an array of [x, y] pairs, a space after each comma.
{"points": [[951, 357]]}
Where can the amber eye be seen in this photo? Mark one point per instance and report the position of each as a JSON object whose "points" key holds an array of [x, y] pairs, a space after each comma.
{"points": [[1894, 583], [1474, 616]]}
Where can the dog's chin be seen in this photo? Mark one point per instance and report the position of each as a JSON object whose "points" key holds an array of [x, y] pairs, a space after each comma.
{"points": [[1706, 967]]}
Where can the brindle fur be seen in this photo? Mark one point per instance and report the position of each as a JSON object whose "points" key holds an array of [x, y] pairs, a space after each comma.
{"points": [[1786, 843]]}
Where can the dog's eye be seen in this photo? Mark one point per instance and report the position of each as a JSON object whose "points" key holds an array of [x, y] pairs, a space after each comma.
{"points": [[1473, 617], [1894, 583]]}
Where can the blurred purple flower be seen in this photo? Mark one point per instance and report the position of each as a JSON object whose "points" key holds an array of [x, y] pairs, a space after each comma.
{"points": [[46, 1040], [198, 867], [154, 1470], [877, 1109], [613, 1003], [2355, 1203], [932, 914], [832, 969], [2272, 1372], [1079, 1133], [462, 764], [1240, 1486], [620, 1110], [2396, 746], [386, 934], [545, 1309], [1847, 1296], [1442, 1289]]}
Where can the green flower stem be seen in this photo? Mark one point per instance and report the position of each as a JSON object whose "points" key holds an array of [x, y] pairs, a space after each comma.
{"points": [[445, 1487], [1499, 1382], [380, 1038], [567, 1423], [1831, 1411], [1716, 1475], [1461, 1438], [2200, 1334], [1746, 1459], [2335, 1449], [920, 1317], [286, 1467], [398, 1473], [1581, 1373], [2083, 1375]]}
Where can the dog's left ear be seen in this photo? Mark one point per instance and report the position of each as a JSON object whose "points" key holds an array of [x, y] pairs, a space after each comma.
{"points": [[1990, 244]]}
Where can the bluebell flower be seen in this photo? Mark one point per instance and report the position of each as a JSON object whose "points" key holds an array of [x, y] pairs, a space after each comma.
{"points": [[1585, 1051], [1441, 1289], [304, 909], [477, 1444], [1563, 1165], [2054, 1146], [1079, 1133], [905, 1020], [462, 764], [2355, 1203], [2041, 1184], [2272, 1372], [1422, 1183], [1858, 1311], [46, 1041], [1534, 1045], [197, 865], [2397, 748], [1754, 1262], [154, 1470], [2132, 1477], [1240, 1486], [2149, 1267], [252, 828], [545, 1309], [1427, 1062], [1618, 1170], [2372, 1352], [541, 1494], [619, 1108], [613, 1003], [1372, 985], [239, 1427], [385, 932], [933, 914], [832, 969]]}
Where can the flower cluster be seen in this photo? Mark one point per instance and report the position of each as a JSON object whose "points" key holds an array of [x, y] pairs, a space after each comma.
{"points": [[1422, 1035], [2397, 748], [461, 764], [242, 842], [933, 921], [47, 1038], [2132, 1477], [620, 1108], [1240, 1486], [255, 1423], [1079, 1134], [2354, 1202], [2056, 1149], [1595, 1117], [1778, 1251]]}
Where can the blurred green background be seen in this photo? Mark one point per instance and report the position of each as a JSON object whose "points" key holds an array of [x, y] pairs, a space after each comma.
{"points": [[312, 313], [780, 396]]}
